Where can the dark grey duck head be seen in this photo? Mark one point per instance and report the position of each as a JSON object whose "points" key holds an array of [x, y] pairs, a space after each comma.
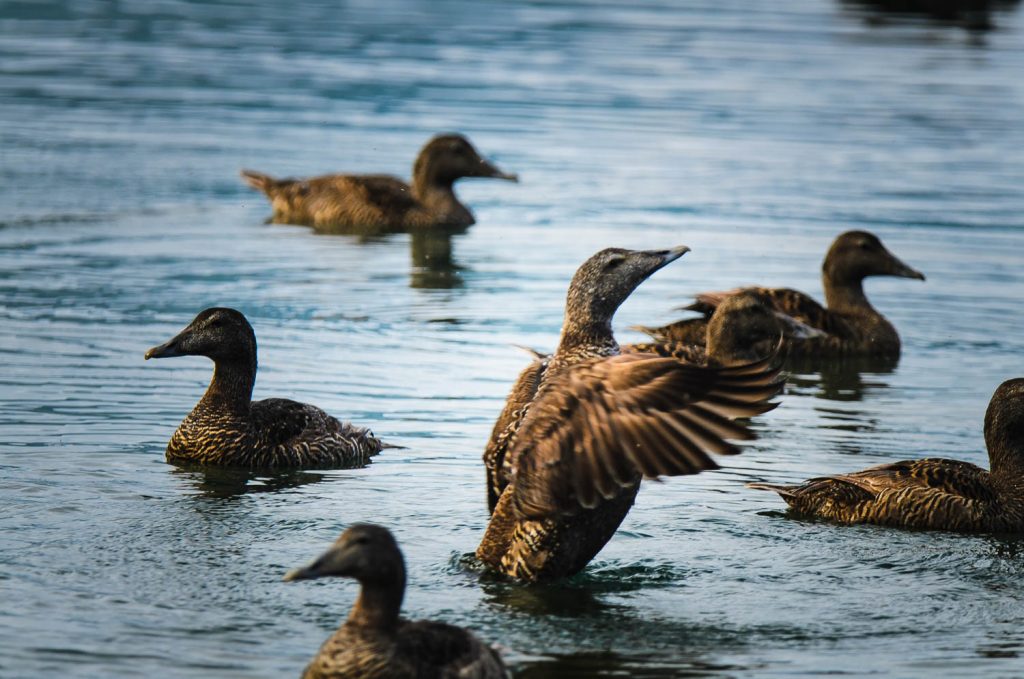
{"points": [[603, 282], [448, 157], [221, 334], [1004, 427], [365, 551], [855, 255]]}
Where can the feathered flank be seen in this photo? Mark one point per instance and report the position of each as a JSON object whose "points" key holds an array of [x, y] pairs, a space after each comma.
{"points": [[376, 642], [850, 326], [228, 429], [381, 203], [584, 425], [931, 493]]}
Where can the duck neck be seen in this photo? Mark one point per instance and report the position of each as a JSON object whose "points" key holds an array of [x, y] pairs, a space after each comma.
{"points": [[846, 295], [587, 339], [378, 604], [231, 387], [1006, 460]]}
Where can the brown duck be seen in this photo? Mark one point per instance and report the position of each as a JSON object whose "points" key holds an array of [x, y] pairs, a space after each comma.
{"points": [[932, 493], [382, 202], [584, 425], [849, 326], [375, 643], [742, 329], [228, 428]]}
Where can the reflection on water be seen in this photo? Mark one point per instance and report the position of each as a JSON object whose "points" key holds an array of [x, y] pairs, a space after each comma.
{"points": [[232, 483], [848, 379], [433, 262], [972, 15]]}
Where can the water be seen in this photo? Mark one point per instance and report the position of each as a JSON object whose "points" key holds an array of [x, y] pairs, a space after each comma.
{"points": [[752, 132]]}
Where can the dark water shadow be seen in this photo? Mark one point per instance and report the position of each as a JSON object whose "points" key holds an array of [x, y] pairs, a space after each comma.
{"points": [[433, 261], [840, 380], [233, 483], [976, 16], [609, 664], [433, 265]]}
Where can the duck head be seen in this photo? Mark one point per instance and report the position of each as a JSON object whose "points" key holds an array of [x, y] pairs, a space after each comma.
{"points": [[603, 282], [365, 551], [448, 157], [855, 255], [743, 329], [1004, 427], [221, 334]]}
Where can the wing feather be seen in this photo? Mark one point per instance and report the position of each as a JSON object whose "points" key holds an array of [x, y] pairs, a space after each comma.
{"points": [[602, 424]]}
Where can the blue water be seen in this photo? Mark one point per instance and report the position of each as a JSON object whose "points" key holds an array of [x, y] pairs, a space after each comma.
{"points": [[752, 132]]}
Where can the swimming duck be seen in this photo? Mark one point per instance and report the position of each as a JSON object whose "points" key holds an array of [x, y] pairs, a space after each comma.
{"points": [[742, 329], [228, 428], [585, 424], [932, 493], [381, 202], [375, 643], [850, 326]]}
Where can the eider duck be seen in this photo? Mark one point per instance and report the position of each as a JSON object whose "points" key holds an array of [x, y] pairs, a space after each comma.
{"points": [[227, 428], [375, 643], [931, 493], [381, 202], [850, 326], [584, 425], [742, 329]]}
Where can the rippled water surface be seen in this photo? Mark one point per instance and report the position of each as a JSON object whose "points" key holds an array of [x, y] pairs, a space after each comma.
{"points": [[753, 132]]}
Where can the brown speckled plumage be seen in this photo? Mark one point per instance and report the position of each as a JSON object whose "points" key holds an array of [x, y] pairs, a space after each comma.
{"points": [[742, 329], [381, 202], [850, 326], [227, 428], [583, 426], [932, 493], [375, 642]]}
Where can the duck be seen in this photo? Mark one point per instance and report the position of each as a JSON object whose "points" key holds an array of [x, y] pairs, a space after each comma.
{"points": [[931, 493], [847, 326], [381, 202], [228, 429], [583, 425], [742, 329], [375, 642]]}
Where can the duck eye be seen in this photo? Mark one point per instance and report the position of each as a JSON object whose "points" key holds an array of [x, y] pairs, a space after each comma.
{"points": [[614, 262]]}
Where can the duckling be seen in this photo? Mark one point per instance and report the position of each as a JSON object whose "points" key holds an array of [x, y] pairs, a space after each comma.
{"points": [[931, 493], [582, 426], [381, 202], [375, 643], [227, 428], [850, 326]]}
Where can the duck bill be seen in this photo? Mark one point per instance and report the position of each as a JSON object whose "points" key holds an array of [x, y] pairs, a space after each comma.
{"points": [[661, 258], [335, 561], [901, 270], [168, 349], [492, 171]]}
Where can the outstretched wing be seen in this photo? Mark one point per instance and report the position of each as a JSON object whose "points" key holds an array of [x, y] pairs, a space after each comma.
{"points": [[604, 423]]}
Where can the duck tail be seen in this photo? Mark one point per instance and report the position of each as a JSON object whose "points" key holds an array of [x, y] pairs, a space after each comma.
{"points": [[385, 446], [784, 491], [259, 181]]}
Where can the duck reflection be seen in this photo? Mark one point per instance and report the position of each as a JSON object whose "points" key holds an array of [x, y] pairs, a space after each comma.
{"points": [[972, 15], [229, 483], [608, 664], [845, 380], [433, 262]]}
